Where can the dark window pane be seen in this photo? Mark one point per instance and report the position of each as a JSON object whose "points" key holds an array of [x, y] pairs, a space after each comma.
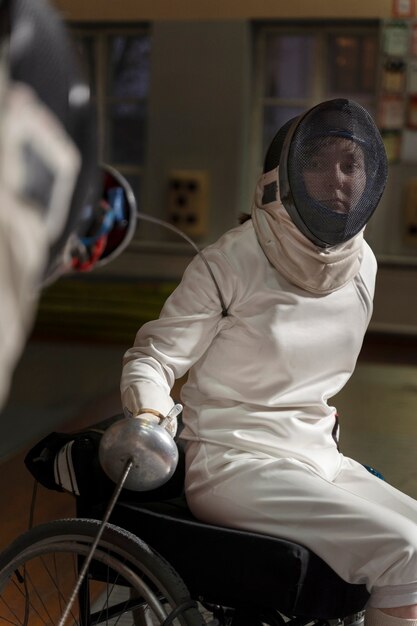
{"points": [[129, 67], [289, 61], [274, 118], [127, 133], [369, 63], [351, 64]]}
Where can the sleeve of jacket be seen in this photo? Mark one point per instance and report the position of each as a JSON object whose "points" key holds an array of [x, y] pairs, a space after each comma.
{"points": [[166, 348]]}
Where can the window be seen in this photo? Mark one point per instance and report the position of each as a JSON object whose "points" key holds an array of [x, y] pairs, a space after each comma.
{"points": [[298, 67], [117, 60], [351, 66]]}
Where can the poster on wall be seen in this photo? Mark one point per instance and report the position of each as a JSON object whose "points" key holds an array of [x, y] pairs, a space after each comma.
{"points": [[391, 113], [395, 40], [409, 146], [413, 40], [392, 143], [412, 77], [412, 113], [403, 8], [393, 76]]}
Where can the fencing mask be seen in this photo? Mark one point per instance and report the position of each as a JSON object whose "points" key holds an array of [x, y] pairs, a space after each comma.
{"points": [[332, 170]]}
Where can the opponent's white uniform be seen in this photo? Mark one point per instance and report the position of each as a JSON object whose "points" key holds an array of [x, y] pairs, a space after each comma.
{"points": [[261, 452]]}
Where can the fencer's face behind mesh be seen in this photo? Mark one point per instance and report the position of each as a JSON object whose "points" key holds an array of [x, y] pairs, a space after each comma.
{"points": [[333, 170], [335, 173]]}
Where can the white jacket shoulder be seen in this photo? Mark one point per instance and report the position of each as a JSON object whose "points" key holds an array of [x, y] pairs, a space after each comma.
{"points": [[239, 246]]}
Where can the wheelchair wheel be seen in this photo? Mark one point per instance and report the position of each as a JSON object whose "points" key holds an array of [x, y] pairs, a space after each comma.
{"points": [[127, 583]]}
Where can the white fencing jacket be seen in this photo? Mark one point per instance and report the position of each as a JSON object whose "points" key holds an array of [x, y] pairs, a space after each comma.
{"points": [[261, 377]]}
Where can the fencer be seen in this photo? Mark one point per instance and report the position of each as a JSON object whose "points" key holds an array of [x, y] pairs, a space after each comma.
{"points": [[48, 161], [261, 433]]}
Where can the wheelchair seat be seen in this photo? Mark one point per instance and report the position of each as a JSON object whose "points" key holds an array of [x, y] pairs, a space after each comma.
{"points": [[234, 568]]}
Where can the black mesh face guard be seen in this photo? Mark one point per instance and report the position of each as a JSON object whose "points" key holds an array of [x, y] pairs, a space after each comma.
{"points": [[333, 171]]}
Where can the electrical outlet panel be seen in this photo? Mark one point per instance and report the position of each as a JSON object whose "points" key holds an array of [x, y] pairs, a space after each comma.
{"points": [[411, 211], [188, 201]]}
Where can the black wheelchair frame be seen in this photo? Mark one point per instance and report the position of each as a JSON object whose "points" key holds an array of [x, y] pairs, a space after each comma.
{"points": [[243, 578], [159, 551]]}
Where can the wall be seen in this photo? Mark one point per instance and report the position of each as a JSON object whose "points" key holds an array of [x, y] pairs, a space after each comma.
{"points": [[200, 118], [199, 108], [117, 10]]}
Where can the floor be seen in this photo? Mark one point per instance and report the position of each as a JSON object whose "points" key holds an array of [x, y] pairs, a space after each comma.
{"points": [[64, 386], [57, 386]]}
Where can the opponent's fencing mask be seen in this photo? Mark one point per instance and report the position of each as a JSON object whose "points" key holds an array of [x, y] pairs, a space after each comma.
{"points": [[47, 160], [332, 170], [43, 57]]}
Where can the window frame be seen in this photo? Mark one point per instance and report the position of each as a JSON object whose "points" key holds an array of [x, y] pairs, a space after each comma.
{"points": [[319, 85], [101, 34]]}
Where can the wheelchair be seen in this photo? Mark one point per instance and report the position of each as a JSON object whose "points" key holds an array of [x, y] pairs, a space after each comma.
{"points": [[156, 564]]}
